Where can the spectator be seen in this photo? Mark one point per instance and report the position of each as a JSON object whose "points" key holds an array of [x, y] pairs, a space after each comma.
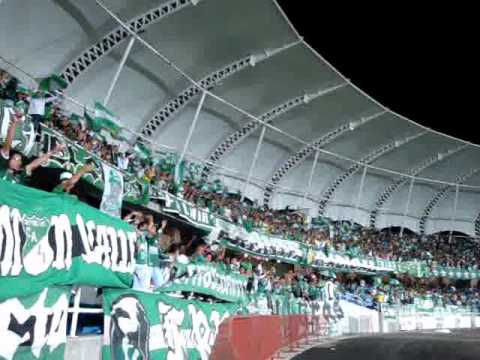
{"points": [[11, 163], [68, 181]]}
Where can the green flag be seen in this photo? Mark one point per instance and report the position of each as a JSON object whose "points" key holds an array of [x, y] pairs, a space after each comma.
{"points": [[90, 121], [105, 119], [142, 151], [180, 172], [52, 83], [74, 118]]}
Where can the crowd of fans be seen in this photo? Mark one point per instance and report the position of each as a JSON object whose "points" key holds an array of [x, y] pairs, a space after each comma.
{"points": [[424, 293], [159, 248], [159, 251]]}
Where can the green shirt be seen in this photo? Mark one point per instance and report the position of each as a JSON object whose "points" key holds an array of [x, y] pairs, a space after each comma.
{"points": [[314, 292], [141, 253], [59, 189], [153, 250], [199, 259], [247, 266]]}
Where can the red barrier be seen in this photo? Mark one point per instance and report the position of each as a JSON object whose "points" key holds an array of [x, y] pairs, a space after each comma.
{"points": [[261, 337]]}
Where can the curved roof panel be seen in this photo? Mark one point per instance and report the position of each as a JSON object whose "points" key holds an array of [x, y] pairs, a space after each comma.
{"points": [[247, 53]]}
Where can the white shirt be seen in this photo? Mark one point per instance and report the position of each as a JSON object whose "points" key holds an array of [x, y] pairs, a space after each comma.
{"points": [[182, 259], [37, 106], [123, 162]]}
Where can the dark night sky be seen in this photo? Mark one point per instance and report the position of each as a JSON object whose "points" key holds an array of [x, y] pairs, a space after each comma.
{"points": [[422, 64]]}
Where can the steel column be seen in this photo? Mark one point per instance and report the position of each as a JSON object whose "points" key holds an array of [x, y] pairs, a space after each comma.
{"points": [[190, 133], [254, 161], [407, 205], [310, 179], [360, 192], [119, 70], [454, 213]]}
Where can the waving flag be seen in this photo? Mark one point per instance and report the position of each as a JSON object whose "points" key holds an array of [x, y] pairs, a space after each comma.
{"points": [[106, 120], [52, 83]]}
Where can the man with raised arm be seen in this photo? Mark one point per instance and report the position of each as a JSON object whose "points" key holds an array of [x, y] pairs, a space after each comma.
{"points": [[69, 180], [11, 162]]}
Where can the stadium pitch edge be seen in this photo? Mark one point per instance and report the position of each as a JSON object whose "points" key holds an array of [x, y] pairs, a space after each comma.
{"points": [[418, 345]]}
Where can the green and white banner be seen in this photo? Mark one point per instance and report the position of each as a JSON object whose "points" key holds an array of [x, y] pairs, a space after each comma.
{"points": [[199, 217], [208, 279], [49, 239], [24, 139], [35, 326], [112, 198], [238, 238], [134, 190], [262, 245], [156, 326]]}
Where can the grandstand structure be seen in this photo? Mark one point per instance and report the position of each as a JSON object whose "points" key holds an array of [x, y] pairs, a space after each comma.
{"points": [[167, 165], [293, 114]]}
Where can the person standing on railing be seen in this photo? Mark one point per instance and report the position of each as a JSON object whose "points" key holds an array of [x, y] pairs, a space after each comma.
{"points": [[11, 163]]}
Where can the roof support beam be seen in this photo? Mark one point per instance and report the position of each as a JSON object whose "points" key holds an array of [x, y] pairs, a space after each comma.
{"points": [[440, 194], [454, 212], [119, 70], [368, 159], [189, 136], [300, 156], [254, 162], [175, 105], [116, 37], [360, 191], [310, 178], [407, 205], [249, 128], [398, 183]]}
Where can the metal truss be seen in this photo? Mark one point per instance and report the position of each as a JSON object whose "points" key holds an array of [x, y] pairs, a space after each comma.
{"points": [[368, 159], [174, 106], [238, 136], [115, 37], [402, 180], [441, 194], [300, 156]]}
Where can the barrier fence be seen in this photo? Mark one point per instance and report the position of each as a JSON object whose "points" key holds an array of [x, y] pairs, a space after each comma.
{"points": [[266, 336], [262, 337]]}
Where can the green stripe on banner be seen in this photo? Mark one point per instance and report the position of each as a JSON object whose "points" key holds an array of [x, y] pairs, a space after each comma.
{"points": [[50, 239], [35, 326], [156, 326]]}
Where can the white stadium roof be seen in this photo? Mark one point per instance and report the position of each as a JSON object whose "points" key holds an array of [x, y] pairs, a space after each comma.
{"points": [[248, 54]]}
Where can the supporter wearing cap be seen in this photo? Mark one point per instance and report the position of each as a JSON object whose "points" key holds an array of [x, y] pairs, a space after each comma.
{"points": [[69, 180], [11, 163]]}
